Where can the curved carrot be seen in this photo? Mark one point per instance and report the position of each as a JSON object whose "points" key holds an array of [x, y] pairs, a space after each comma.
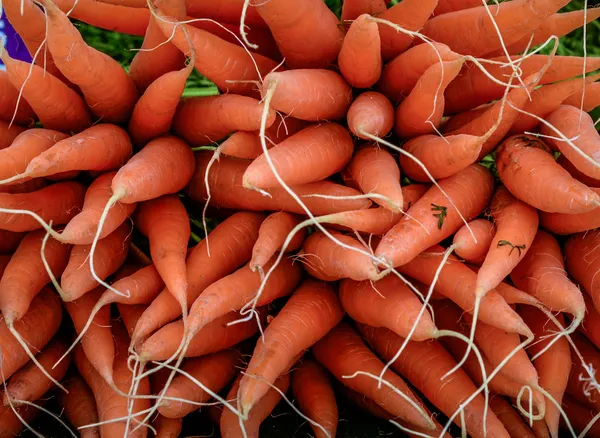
{"points": [[371, 112], [8, 133], [387, 303], [309, 94], [360, 57], [351, 10], [9, 96], [591, 97], [529, 172], [576, 173], [467, 248], [272, 235], [294, 158], [79, 406], [561, 223], [583, 262], [312, 311]]}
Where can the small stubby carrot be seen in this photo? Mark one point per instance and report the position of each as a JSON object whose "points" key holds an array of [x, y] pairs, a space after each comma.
{"points": [[294, 158], [578, 385], [77, 278], [79, 406], [58, 203], [311, 312], [589, 97], [387, 303], [470, 190], [9, 241], [326, 260], [516, 227], [272, 235], [582, 260], [371, 113], [8, 133], [308, 94], [315, 397], [343, 353], [9, 102], [352, 9], [529, 172], [227, 190], [510, 418], [214, 371], [203, 120], [467, 248], [422, 110], [360, 57]]}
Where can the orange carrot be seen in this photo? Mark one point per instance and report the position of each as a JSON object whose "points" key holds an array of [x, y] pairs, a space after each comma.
{"points": [[79, 406], [446, 6], [228, 11], [579, 385], [459, 120], [8, 133], [580, 416], [433, 212], [10, 424], [9, 241], [583, 262], [167, 427], [576, 173], [272, 235], [9, 96], [360, 57], [523, 161], [591, 98], [513, 422], [313, 392], [591, 322], [561, 223], [351, 10], [371, 112], [311, 312], [467, 248]]}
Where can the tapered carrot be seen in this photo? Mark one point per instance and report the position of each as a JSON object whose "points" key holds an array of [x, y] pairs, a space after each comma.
{"points": [[516, 227], [9, 241], [561, 223], [230, 247], [352, 9], [510, 418], [583, 262], [529, 171], [424, 364], [473, 31], [9, 101], [343, 353], [8, 133], [271, 237], [79, 406], [467, 248], [57, 203], [77, 278], [214, 371], [422, 110], [371, 113], [360, 57], [446, 6], [591, 97], [313, 392], [312, 311], [202, 120], [25, 275], [376, 221], [55, 104], [434, 212], [226, 190], [579, 381]]}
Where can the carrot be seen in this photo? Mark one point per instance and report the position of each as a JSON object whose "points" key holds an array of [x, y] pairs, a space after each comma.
{"points": [[580, 416], [228, 11], [359, 60], [351, 10], [56, 105], [433, 212], [467, 248], [153, 113], [226, 190], [271, 237], [553, 366], [387, 303], [422, 110], [473, 32], [371, 112], [9, 241], [591, 322], [560, 223], [10, 424], [77, 278], [232, 247], [231, 425], [343, 353], [8, 133], [79, 406], [510, 418], [327, 260], [167, 427], [516, 227], [29, 383], [457, 282], [411, 16], [45, 311], [9, 101], [308, 36], [424, 364], [473, 87], [28, 186], [214, 371], [313, 392], [582, 261], [579, 383], [26, 275], [446, 6], [203, 120], [117, 18], [311, 312], [590, 99], [58, 203], [556, 192], [459, 120], [214, 337]]}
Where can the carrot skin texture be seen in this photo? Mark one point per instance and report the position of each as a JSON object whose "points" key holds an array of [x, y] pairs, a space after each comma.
{"points": [[550, 188], [576, 173], [371, 112], [577, 387], [580, 416], [512, 420], [272, 235], [454, 5], [9, 241], [314, 306], [466, 248], [8, 133], [582, 261], [360, 56], [312, 390], [167, 427], [352, 9], [79, 406], [58, 203], [9, 96], [228, 11], [406, 240], [591, 98], [590, 326]]}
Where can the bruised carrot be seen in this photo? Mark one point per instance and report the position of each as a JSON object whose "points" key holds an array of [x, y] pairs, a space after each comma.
{"points": [[79, 406], [272, 235], [8, 133], [583, 262], [467, 248], [371, 112], [590, 99], [351, 10], [9, 102], [549, 188], [360, 57]]}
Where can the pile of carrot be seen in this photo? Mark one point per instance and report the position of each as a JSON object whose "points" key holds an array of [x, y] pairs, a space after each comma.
{"points": [[403, 214]]}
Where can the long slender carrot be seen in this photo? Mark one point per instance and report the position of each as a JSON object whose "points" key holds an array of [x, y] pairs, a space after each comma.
{"points": [[272, 235], [9, 102], [371, 113], [79, 406], [467, 248], [8, 133], [583, 261], [360, 57]]}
